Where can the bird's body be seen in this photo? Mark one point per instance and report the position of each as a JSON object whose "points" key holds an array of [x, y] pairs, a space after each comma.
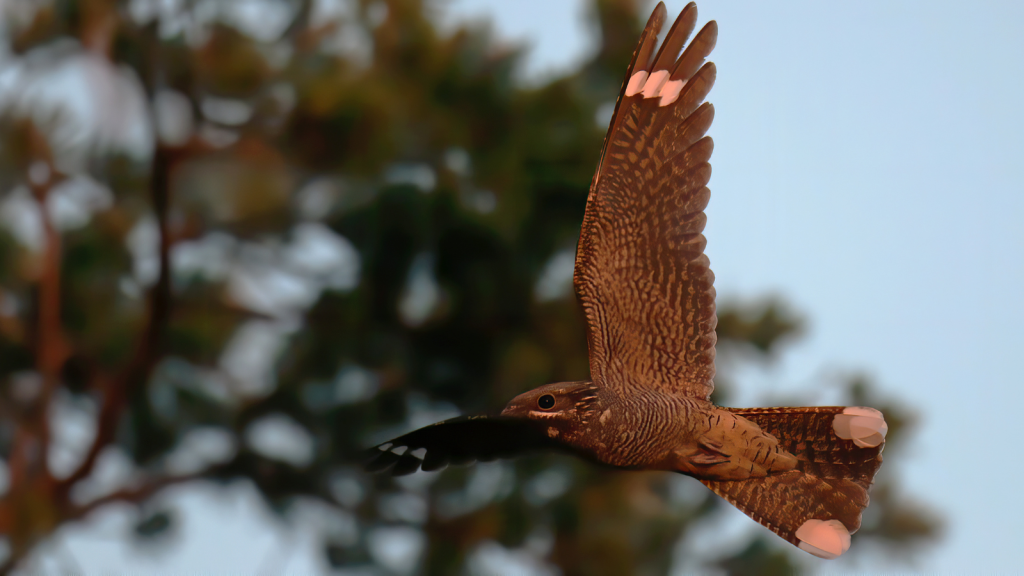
{"points": [[646, 289], [654, 430]]}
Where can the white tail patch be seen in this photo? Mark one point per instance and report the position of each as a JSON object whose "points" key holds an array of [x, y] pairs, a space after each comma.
{"points": [[636, 83], [399, 450], [670, 91], [652, 88], [826, 539], [865, 426], [384, 447], [419, 453]]}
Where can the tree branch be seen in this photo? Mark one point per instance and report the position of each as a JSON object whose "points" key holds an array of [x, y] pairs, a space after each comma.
{"points": [[118, 389], [27, 512]]}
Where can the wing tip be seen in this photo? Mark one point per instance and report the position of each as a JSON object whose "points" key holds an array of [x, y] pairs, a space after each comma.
{"points": [[658, 15], [396, 457], [710, 30]]}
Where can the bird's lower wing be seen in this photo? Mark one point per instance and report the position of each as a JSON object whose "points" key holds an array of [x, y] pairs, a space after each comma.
{"points": [[459, 440]]}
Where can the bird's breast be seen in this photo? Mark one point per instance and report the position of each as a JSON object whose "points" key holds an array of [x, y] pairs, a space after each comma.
{"points": [[642, 431]]}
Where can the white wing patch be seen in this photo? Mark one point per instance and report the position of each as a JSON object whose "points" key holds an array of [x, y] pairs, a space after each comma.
{"points": [[652, 88], [656, 85], [636, 83], [670, 91], [865, 426]]}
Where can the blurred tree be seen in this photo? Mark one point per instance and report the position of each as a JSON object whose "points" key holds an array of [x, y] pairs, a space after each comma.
{"points": [[319, 224]]}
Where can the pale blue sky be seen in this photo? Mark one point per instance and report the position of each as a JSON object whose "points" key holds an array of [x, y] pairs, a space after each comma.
{"points": [[875, 151]]}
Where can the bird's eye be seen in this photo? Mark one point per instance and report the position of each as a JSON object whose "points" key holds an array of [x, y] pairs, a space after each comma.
{"points": [[546, 402]]}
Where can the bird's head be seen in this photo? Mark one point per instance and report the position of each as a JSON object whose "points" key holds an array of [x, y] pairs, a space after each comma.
{"points": [[565, 407]]}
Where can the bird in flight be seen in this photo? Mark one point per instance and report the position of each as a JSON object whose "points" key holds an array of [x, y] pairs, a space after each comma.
{"points": [[647, 293]]}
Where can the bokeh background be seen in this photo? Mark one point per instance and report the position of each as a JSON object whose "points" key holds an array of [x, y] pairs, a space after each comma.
{"points": [[242, 240]]}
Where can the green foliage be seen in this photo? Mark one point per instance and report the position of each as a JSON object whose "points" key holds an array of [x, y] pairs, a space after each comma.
{"points": [[450, 180]]}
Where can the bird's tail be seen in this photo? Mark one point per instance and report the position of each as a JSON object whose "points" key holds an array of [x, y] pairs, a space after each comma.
{"points": [[817, 505]]}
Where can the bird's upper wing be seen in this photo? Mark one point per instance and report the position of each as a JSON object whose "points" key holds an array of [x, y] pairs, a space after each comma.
{"points": [[460, 440], [641, 274]]}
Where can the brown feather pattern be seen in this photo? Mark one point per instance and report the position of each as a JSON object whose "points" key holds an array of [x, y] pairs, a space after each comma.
{"points": [[831, 481], [641, 275]]}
